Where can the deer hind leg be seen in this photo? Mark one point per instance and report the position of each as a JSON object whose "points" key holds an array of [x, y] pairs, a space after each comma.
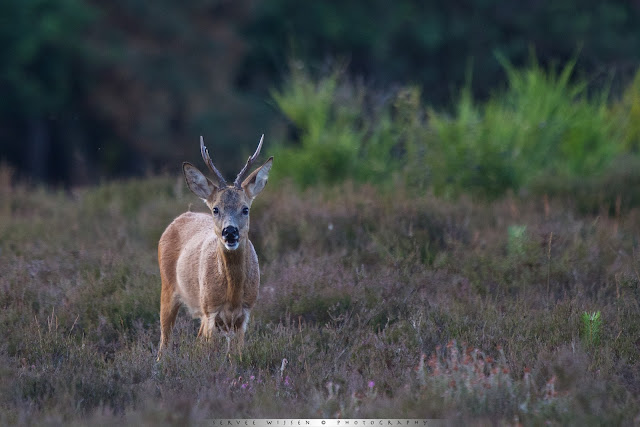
{"points": [[169, 306], [203, 323]]}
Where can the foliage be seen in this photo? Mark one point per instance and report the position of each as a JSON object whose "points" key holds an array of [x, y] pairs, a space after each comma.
{"points": [[544, 132], [517, 237], [543, 124], [41, 50], [99, 90], [591, 327], [44, 72], [93, 90], [337, 140], [626, 114], [431, 43], [486, 384]]}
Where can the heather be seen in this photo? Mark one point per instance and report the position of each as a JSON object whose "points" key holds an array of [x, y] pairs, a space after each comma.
{"points": [[383, 303]]}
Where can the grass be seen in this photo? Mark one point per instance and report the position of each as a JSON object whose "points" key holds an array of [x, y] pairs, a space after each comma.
{"points": [[384, 305]]}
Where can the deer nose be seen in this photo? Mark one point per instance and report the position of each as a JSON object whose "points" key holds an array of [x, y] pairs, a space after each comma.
{"points": [[230, 233]]}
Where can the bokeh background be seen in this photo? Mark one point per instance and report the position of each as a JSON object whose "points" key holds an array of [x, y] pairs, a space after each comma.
{"points": [[95, 90]]}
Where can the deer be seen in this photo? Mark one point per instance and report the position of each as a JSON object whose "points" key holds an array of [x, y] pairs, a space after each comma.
{"points": [[207, 262]]}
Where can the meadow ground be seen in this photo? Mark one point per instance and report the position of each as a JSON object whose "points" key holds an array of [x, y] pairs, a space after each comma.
{"points": [[384, 305]]}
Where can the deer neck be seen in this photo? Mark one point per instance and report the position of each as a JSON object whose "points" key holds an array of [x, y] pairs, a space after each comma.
{"points": [[233, 265]]}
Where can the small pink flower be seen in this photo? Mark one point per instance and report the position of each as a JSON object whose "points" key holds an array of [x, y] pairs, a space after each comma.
{"points": [[371, 384], [287, 381], [253, 377], [244, 386]]}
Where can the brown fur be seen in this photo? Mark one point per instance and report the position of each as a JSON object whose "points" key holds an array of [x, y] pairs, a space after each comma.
{"points": [[217, 284]]}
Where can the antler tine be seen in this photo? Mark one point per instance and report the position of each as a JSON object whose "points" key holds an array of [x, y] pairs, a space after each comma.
{"points": [[209, 162], [250, 161]]}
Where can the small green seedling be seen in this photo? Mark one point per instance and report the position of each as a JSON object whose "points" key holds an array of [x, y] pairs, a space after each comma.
{"points": [[591, 326]]}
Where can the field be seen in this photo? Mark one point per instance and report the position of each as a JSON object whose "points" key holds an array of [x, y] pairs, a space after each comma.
{"points": [[384, 304]]}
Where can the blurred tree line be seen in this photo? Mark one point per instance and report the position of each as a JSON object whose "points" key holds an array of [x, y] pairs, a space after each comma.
{"points": [[102, 89]]}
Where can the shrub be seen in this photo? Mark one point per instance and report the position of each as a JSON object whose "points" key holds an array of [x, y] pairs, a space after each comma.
{"points": [[546, 132], [542, 124], [343, 133]]}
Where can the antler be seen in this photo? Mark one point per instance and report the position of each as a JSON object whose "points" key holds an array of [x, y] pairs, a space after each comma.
{"points": [[209, 162], [250, 161]]}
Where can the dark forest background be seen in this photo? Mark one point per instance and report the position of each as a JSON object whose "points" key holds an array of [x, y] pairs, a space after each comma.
{"points": [[94, 90]]}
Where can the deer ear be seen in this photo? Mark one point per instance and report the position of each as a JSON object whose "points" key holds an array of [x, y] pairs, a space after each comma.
{"points": [[199, 184], [255, 182]]}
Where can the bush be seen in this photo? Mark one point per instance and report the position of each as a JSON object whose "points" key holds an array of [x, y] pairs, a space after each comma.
{"points": [[344, 131], [544, 131], [327, 114], [542, 124]]}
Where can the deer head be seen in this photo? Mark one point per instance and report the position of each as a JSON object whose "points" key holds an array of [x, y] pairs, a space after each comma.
{"points": [[230, 204]]}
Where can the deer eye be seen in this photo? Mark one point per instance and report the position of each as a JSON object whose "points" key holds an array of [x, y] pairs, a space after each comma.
{"points": [[216, 211], [245, 211]]}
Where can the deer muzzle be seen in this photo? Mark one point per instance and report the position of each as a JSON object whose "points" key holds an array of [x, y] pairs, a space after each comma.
{"points": [[230, 236]]}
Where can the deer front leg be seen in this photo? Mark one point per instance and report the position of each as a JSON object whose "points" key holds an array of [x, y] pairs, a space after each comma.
{"points": [[241, 330]]}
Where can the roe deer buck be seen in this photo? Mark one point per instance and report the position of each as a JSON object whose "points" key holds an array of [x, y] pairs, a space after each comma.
{"points": [[206, 260]]}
